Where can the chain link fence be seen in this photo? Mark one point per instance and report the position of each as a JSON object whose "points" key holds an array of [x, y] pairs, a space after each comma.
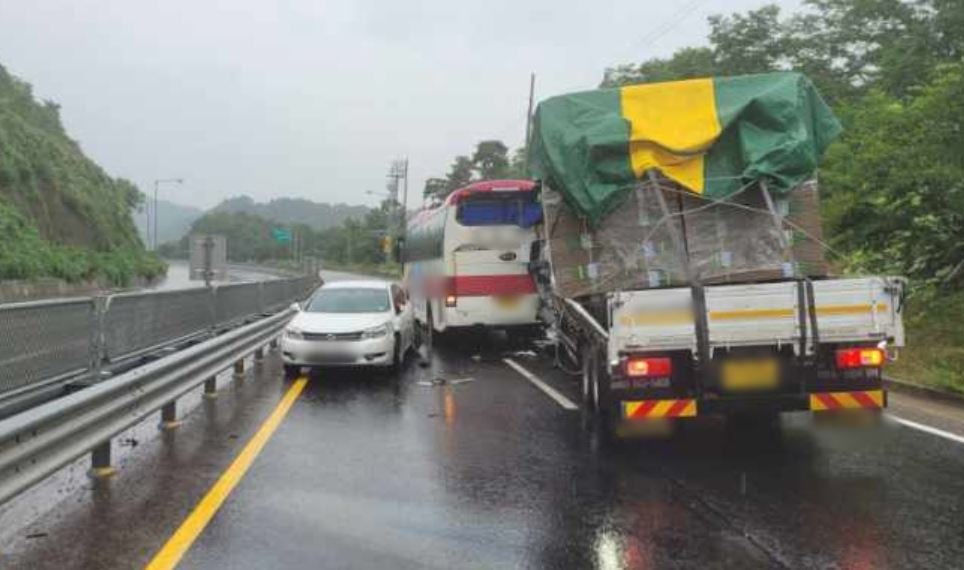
{"points": [[235, 302], [45, 340], [134, 322]]}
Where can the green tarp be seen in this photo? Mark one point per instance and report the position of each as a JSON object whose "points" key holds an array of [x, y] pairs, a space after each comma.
{"points": [[712, 136]]}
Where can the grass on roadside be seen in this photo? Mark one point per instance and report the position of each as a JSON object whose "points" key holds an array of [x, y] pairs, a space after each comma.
{"points": [[934, 355]]}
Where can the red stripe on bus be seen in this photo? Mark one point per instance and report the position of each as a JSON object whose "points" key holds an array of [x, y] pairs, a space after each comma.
{"points": [[484, 285]]}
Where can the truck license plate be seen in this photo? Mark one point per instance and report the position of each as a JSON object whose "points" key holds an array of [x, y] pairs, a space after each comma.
{"points": [[750, 374], [507, 302]]}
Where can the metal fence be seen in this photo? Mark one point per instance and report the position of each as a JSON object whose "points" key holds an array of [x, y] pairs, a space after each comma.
{"points": [[44, 340]]}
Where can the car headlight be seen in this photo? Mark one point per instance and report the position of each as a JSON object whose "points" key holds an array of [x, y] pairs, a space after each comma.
{"points": [[377, 332], [294, 334]]}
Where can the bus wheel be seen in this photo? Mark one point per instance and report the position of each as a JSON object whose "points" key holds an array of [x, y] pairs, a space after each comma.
{"points": [[429, 331], [425, 340], [416, 336]]}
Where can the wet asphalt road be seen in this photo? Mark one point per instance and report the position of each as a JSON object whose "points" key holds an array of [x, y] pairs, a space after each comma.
{"points": [[178, 276], [486, 471]]}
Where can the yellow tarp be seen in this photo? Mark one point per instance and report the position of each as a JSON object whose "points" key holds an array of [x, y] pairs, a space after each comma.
{"points": [[672, 125]]}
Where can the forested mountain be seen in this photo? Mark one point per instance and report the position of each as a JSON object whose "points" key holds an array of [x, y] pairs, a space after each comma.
{"points": [[249, 237], [61, 215], [317, 215], [173, 220]]}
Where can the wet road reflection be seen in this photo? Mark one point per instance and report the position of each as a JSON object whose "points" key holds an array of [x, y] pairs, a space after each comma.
{"points": [[464, 464]]}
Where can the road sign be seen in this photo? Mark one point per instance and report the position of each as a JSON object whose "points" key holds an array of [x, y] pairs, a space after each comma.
{"points": [[209, 258], [281, 235]]}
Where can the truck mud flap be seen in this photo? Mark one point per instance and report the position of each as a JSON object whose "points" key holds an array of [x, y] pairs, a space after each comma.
{"points": [[863, 399], [653, 409]]}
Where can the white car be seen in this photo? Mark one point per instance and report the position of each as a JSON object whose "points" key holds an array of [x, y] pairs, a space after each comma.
{"points": [[350, 323]]}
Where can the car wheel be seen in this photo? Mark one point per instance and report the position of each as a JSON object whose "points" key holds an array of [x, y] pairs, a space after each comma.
{"points": [[397, 355]]}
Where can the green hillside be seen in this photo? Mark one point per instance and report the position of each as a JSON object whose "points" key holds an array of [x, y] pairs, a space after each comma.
{"points": [[317, 215], [61, 215]]}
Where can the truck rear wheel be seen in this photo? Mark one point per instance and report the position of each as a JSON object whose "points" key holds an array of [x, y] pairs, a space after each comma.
{"points": [[588, 378], [600, 390]]}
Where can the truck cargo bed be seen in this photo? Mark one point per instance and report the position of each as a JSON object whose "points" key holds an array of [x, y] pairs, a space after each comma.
{"points": [[762, 314]]}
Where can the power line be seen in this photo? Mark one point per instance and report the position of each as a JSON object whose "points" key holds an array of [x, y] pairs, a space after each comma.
{"points": [[667, 25]]}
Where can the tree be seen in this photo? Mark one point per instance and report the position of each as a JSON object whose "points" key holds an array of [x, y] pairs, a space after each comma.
{"points": [[435, 187], [687, 63], [460, 173], [750, 43], [517, 164], [895, 184], [491, 160]]}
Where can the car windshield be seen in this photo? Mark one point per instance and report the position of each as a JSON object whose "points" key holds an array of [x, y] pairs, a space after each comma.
{"points": [[345, 300]]}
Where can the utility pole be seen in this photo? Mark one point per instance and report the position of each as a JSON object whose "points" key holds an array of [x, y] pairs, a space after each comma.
{"points": [[147, 223], [396, 173], [403, 216], [532, 90]]}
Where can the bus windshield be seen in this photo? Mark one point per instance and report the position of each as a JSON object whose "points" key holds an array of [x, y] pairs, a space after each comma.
{"points": [[500, 209]]}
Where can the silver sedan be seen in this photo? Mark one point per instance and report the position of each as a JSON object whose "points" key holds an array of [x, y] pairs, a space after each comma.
{"points": [[350, 323]]}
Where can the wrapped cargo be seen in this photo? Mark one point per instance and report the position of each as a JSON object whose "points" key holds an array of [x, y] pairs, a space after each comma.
{"points": [[633, 249], [664, 236], [662, 184]]}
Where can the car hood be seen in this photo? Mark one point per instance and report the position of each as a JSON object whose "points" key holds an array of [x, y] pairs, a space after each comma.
{"points": [[337, 322]]}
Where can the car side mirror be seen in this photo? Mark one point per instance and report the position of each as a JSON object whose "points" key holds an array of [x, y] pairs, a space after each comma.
{"points": [[296, 307]]}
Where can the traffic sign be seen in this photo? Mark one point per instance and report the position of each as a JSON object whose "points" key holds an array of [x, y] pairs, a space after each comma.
{"points": [[281, 235]]}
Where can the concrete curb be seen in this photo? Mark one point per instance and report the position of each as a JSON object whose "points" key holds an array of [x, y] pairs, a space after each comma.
{"points": [[903, 387]]}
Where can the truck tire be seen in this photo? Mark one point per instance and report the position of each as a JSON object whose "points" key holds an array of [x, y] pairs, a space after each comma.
{"points": [[600, 392], [602, 398], [588, 379]]}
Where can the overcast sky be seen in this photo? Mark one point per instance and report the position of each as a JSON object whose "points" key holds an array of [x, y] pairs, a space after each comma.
{"points": [[314, 98]]}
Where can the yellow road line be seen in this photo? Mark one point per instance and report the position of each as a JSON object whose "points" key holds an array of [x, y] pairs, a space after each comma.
{"points": [[177, 546]]}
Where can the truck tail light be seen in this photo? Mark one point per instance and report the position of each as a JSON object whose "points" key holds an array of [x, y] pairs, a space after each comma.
{"points": [[860, 358], [648, 367], [451, 300]]}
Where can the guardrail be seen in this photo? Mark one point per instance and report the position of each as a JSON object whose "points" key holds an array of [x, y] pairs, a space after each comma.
{"points": [[45, 341], [36, 443]]}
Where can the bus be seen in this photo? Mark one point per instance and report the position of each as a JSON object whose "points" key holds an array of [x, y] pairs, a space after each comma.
{"points": [[467, 260]]}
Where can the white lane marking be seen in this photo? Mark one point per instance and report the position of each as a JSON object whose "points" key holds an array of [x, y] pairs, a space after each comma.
{"points": [[559, 398], [926, 429]]}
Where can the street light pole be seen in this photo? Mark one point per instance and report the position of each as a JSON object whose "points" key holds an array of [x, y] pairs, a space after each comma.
{"points": [[147, 223], [154, 239], [157, 183]]}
